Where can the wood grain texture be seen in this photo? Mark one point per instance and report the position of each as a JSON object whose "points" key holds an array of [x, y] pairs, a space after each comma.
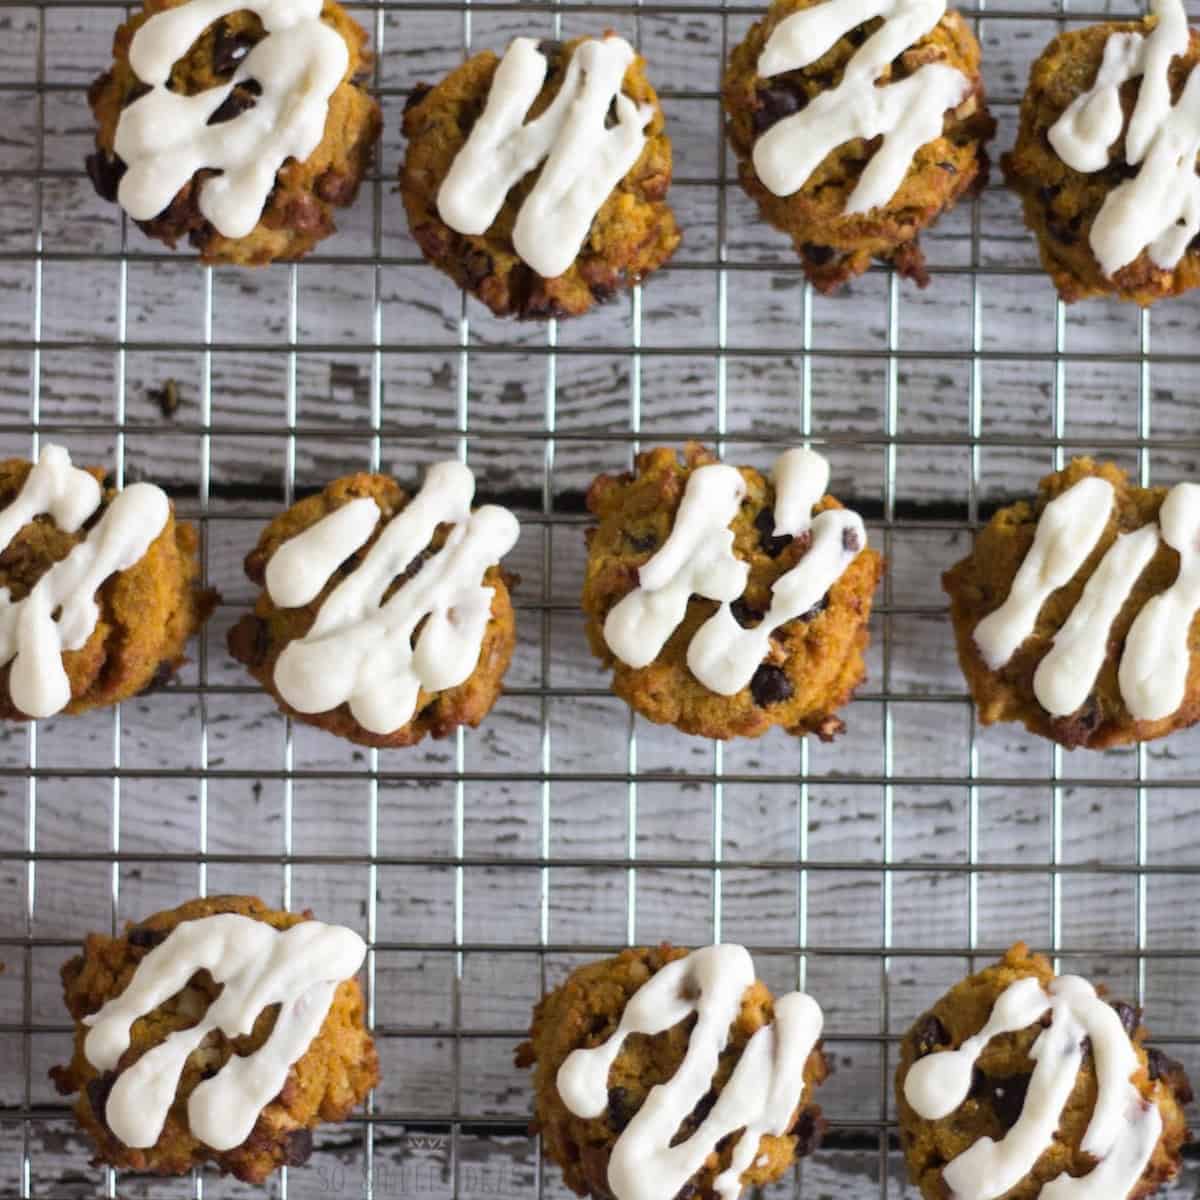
{"points": [[917, 830]]}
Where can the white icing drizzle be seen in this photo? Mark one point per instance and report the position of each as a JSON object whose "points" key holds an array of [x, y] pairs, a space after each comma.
{"points": [[1123, 1128], [1068, 531], [360, 650], [1154, 667], [59, 613], [907, 114], [1153, 671], [760, 1097], [1159, 208], [164, 137], [1066, 674], [297, 968], [584, 161], [724, 656], [697, 559]]}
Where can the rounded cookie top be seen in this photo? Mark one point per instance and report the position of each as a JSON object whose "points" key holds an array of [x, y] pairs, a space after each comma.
{"points": [[1012, 1044], [482, 212], [170, 102], [1075, 613], [653, 1017], [844, 195], [794, 672], [1092, 161], [150, 989], [100, 585], [384, 617]]}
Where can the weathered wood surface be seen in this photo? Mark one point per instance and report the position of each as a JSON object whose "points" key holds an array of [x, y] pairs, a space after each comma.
{"points": [[731, 341]]}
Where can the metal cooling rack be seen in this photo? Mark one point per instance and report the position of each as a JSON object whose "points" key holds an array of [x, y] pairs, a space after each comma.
{"points": [[875, 872]]}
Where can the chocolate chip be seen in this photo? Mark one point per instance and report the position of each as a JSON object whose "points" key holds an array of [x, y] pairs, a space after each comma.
{"points": [[851, 542], [770, 685], [1170, 1070], [775, 103], [611, 119], [477, 266], [696, 1117], [163, 675], [642, 543], [136, 93], [1004, 1096], [948, 167], [147, 939], [243, 97], [765, 524], [552, 50], [744, 615], [298, 1147], [1079, 727], [414, 567], [1047, 194], [229, 48], [262, 642], [1119, 170], [856, 37], [621, 1109], [931, 1035], [817, 609], [819, 256], [98, 1090], [1085, 1047], [602, 293], [808, 1132], [1129, 1016], [105, 174], [419, 92]]}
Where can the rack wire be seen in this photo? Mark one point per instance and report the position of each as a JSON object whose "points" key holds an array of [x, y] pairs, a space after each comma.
{"points": [[874, 873]]}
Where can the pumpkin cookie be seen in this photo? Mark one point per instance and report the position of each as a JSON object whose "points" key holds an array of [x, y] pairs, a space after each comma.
{"points": [[177, 1065], [1105, 159], [100, 588], [726, 603], [1014, 1044], [851, 138], [1076, 614], [384, 617], [538, 181], [733, 1071], [243, 139]]}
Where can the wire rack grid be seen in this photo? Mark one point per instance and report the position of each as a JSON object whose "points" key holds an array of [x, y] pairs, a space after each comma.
{"points": [[874, 872]]}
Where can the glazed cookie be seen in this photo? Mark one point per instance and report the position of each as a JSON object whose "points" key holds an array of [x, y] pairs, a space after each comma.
{"points": [[732, 1070], [383, 617], [856, 126], [1021, 1084], [537, 181], [220, 1032], [98, 588], [1105, 158], [240, 127], [1076, 614], [725, 603]]}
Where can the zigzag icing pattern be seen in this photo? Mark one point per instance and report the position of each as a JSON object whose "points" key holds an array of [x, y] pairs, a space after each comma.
{"points": [[1123, 1129], [760, 1098], [906, 115], [1154, 665], [697, 559], [298, 968], [59, 613], [360, 650], [1159, 208], [164, 136], [583, 159]]}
